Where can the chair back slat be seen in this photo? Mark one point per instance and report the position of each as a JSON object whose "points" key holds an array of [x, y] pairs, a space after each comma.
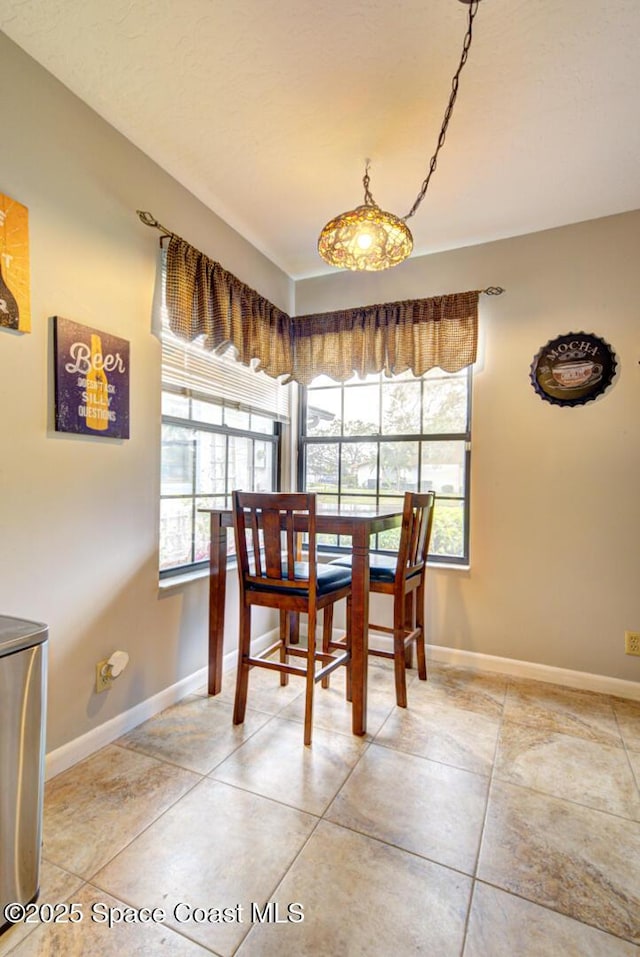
{"points": [[256, 551], [417, 521], [269, 521]]}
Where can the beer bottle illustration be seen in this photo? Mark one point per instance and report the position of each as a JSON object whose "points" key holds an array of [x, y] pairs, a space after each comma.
{"points": [[97, 404], [9, 312]]}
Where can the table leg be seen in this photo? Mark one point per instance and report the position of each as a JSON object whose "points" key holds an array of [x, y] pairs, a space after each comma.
{"points": [[217, 592], [359, 627]]}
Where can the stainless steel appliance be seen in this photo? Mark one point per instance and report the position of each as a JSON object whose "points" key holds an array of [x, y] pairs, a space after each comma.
{"points": [[23, 660]]}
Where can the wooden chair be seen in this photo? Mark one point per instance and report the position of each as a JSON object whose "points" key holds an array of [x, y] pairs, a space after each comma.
{"points": [[403, 578], [268, 532]]}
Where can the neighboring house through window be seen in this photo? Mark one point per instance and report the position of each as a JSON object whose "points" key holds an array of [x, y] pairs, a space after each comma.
{"points": [[371, 440]]}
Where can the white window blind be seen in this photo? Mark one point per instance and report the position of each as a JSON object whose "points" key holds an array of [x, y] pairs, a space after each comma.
{"points": [[190, 369]]}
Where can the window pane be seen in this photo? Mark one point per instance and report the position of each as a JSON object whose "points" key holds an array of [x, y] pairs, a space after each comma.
{"points": [[210, 462], [359, 461], [236, 419], [401, 408], [240, 474], [203, 525], [443, 468], [445, 405], [399, 466], [322, 468], [174, 404], [176, 532], [177, 460], [261, 423], [390, 540], [207, 412], [329, 501], [200, 466], [323, 412], [361, 410], [263, 467], [447, 534], [321, 380]]}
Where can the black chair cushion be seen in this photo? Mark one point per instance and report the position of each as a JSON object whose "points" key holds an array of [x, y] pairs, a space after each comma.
{"points": [[382, 568], [329, 578]]}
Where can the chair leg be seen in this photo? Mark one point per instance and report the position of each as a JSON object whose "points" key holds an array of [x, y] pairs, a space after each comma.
{"points": [[409, 624], [420, 639], [399, 654], [242, 677], [349, 695], [285, 625], [327, 631], [311, 674], [293, 636]]}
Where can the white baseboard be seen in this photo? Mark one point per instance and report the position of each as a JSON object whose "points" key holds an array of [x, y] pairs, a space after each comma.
{"points": [[582, 680], [79, 748], [73, 751]]}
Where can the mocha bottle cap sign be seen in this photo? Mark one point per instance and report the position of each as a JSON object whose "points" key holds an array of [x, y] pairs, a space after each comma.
{"points": [[573, 369]]}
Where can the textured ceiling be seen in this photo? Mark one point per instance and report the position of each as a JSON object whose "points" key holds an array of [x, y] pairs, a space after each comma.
{"points": [[267, 109]]}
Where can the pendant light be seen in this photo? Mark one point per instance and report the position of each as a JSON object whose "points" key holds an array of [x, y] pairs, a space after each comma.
{"points": [[369, 238]]}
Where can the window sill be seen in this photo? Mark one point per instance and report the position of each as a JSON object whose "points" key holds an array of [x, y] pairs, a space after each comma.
{"points": [[177, 581], [449, 566]]}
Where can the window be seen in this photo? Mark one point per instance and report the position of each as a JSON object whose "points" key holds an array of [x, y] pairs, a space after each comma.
{"points": [[371, 440], [208, 449], [222, 427]]}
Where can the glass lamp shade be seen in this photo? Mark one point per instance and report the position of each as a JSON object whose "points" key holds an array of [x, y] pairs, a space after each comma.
{"points": [[365, 238]]}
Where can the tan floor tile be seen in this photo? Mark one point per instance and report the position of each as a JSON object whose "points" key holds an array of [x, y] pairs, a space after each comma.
{"points": [[96, 807], [563, 765], [265, 691], [55, 885], [276, 764], [333, 712], [219, 847], [364, 899], [197, 733], [501, 925], [443, 732], [561, 842], [422, 806], [628, 714], [580, 862], [93, 937], [479, 691], [544, 706]]}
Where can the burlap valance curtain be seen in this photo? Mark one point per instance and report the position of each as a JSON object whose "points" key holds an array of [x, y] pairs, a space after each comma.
{"points": [[203, 299]]}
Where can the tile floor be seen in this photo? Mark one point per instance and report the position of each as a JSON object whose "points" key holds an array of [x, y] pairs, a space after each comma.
{"points": [[493, 818]]}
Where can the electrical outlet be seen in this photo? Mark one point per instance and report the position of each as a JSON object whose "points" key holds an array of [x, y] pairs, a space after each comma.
{"points": [[103, 676], [632, 643]]}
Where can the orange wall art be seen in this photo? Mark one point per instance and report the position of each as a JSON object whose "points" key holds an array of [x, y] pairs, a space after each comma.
{"points": [[15, 299]]}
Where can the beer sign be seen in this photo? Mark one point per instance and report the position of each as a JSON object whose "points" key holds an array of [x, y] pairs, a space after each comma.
{"points": [[91, 380]]}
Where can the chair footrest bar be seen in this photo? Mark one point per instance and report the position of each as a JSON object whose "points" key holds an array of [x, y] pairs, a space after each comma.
{"points": [[267, 651], [335, 663], [380, 654], [275, 666]]}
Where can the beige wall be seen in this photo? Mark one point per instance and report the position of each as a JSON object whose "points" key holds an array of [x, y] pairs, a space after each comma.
{"points": [[555, 497], [79, 516], [555, 505]]}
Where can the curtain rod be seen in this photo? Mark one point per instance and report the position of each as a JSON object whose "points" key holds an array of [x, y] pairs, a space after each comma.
{"points": [[151, 221]]}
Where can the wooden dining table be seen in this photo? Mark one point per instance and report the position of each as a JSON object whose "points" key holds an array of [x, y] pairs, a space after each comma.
{"points": [[358, 523]]}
